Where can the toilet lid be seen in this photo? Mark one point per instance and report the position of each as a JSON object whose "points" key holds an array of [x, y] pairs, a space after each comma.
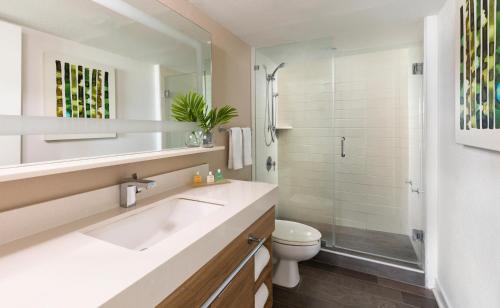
{"points": [[294, 233]]}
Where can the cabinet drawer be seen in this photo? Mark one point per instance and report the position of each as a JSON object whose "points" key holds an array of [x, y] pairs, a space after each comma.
{"points": [[205, 281], [239, 294]]}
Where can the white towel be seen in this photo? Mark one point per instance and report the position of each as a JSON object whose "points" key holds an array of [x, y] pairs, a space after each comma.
{"points": [[235, 160], [261, 296], [247, 146], [261, 259]]}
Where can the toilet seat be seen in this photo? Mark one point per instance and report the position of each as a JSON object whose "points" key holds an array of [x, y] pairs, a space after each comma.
{"points": [[295, 234]]}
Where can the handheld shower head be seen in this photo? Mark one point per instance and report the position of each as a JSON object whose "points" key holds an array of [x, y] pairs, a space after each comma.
{"points": [[271, 76]]}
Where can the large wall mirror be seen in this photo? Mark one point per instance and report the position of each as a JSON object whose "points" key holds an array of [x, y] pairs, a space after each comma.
{"points": [[86, 78]]}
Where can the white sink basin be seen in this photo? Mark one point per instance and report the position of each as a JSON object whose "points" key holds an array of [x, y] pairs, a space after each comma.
{"points": [[148, 227]]}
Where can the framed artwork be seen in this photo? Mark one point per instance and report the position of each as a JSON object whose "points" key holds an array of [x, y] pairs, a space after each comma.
{"points": [[76, 88], [477, 111]]}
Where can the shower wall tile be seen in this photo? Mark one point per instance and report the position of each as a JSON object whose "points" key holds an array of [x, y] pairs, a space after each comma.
{"points": [[306, 152]]}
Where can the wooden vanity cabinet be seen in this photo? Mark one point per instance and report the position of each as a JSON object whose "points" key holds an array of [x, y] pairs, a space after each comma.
{"points": [[241, 290], [240, 293]]}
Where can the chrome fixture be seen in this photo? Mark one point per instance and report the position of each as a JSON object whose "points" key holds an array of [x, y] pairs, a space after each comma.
{"points": [[270, 164], [342, 147], [413, 190], [271, 76], [270, 113], [417, 68], [130, 187], [417, 235]]}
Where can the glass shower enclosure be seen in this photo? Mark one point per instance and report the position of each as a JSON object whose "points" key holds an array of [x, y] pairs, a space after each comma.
{"points": [[340, 132]]}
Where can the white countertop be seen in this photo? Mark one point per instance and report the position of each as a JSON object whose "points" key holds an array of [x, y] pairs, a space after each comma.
{"points": [[63, 267]]}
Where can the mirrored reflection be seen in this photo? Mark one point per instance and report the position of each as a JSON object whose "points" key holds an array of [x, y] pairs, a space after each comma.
{"points": [[118, 59], [33, 149]]}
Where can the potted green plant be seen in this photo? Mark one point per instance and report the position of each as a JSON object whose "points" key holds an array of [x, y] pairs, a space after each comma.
{"points": [[192, 107]]}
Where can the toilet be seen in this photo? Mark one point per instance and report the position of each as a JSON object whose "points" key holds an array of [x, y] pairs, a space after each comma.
{"points": [[292, 242]]}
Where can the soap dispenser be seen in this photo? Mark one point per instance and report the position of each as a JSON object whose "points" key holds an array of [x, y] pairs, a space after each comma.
{"points": [[210, 178], [218, 176], [197, 178]]}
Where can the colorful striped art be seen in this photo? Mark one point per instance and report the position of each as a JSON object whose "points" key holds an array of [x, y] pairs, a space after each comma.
{"points": [[477, 63], [67, 90], [491, 63], [479, 67], [87, 92], [497, 66], [473, 59], [466, 72], [106, 95], [59, 94], [82, 92], [99, 94], [484, 64]]}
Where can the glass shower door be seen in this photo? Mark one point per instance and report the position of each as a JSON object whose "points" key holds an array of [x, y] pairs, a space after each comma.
{"points": [[377, 123]]}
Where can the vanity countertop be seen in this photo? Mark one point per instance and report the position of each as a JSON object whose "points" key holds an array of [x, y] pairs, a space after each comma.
{"points": [[63, 267]]}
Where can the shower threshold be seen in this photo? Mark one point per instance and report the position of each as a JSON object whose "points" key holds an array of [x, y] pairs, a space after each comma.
{"points": [[372, 257]]}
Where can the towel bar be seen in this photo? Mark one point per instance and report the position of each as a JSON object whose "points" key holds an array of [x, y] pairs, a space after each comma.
{"points": [[233, 274]]}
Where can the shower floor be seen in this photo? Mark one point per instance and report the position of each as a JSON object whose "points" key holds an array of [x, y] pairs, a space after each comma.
{"points": [[381, 245], [384, 244]]}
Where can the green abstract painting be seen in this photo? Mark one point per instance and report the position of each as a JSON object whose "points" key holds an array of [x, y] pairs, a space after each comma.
{"points": [[479, 67], [478, 99], [82, 91], [76, 88]]}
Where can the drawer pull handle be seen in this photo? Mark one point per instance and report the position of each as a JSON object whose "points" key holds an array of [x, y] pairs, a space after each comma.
{"points": [[233, 274]]}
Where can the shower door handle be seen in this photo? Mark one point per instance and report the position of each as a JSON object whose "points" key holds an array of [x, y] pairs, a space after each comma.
{"points": [[342, 146]]}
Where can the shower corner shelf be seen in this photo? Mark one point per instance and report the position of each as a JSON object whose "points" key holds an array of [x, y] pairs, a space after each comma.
{"points": [[284, 127]]}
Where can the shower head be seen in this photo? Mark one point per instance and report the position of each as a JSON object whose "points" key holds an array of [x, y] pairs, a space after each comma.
{"points": [[271, 76]]}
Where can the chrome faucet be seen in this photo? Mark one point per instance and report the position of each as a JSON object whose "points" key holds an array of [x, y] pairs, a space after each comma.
{"points": [[130, 187]]}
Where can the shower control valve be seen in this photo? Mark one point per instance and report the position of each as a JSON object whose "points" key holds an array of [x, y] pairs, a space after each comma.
{"points": [[270, 164]]}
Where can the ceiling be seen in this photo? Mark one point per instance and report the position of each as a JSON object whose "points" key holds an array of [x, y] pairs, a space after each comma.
{"points": [[352, 24]]}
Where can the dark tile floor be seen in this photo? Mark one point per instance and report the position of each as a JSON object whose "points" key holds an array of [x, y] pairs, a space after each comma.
{"points": [[328, 286]]}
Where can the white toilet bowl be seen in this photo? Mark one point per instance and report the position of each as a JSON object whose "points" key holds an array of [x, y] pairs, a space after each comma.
{"points": [[292, 242]]}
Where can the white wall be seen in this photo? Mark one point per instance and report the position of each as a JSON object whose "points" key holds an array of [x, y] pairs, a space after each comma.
{"points": [[135, 99], [468, 217], [10, 88]]}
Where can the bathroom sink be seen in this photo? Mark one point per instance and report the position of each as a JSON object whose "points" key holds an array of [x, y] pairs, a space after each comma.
{"points": [[148, 227]]}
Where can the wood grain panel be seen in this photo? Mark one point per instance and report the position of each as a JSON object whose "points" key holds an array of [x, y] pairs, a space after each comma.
{"points": [[263, 276], [239, 294], [205, 281], [266, 277]]}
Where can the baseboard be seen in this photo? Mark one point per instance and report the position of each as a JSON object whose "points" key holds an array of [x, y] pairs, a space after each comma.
{"points": [[440, 295]]}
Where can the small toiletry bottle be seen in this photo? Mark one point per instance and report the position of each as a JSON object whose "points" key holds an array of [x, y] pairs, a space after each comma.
{"points": [[197, 178], [218, 176], [210, 178]]}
